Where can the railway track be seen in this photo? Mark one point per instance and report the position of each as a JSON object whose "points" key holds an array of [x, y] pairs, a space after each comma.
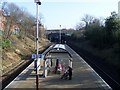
{"points": [[15, 72], [99, 67]]}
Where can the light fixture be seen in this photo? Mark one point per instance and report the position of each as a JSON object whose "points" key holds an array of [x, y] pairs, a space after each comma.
{"points": [[38, 2]]}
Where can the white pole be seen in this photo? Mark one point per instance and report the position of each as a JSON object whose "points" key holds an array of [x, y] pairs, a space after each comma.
{"points": [[37, 36], [60, 34], [37, 77], [36, 62]]}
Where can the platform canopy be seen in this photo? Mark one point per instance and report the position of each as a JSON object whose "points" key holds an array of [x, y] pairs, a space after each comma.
{"points": [[57, 48]]}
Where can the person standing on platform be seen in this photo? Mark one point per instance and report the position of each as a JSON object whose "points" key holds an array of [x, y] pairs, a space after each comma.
{"points": [[70, 72], [56, 67]]}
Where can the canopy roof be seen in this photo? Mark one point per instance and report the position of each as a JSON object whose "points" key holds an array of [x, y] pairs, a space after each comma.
{"points": [[58, 48]]}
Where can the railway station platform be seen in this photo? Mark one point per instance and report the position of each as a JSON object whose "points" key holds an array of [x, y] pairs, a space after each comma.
{"points": [[84, 77]]}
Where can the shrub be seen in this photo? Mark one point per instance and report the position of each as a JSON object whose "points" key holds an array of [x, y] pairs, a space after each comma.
{"points": [[5, 43]]}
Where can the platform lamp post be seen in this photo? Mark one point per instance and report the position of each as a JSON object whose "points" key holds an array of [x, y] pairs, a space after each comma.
{"points": [[60, 34], [36, 67]]}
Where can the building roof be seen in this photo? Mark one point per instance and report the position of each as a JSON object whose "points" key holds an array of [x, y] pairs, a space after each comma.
{"points": [[119, 8], [59, 46]]}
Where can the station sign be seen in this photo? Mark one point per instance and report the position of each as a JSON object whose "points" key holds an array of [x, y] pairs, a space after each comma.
{"points": [[34, 56]]}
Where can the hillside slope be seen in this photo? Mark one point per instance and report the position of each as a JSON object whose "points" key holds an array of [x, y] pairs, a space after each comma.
{"points": [[19, 49]]}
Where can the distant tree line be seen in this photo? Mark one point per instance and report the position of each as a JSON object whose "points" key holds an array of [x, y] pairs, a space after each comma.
{"points": [[101, 33]]}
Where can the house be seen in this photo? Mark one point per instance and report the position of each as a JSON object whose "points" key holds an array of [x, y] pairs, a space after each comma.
{"points": [[14, 27]]}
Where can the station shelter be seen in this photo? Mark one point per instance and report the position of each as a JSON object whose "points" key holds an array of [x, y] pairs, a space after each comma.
{"points": [[58, 56]]}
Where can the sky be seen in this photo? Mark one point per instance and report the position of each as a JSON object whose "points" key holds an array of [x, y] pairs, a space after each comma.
{"points": [[67, 13]]}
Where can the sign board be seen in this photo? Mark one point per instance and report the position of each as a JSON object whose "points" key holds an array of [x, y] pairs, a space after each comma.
{"points": [[34, 56]]}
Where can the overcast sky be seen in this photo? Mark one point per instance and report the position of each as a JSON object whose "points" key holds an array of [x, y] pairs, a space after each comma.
{"points": [[68, 13]]}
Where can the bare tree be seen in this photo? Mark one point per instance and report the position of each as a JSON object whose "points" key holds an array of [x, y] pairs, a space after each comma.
{"points": [[10, 12], [80, 26], [87, 19], [16, 16]]}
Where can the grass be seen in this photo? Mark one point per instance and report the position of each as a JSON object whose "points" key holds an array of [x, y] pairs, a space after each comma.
{"points": [[17, 50], [5, 43]]}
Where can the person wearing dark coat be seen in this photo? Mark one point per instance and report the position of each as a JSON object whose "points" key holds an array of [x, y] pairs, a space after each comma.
{"points": [[56, 67], [70, 72]]}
